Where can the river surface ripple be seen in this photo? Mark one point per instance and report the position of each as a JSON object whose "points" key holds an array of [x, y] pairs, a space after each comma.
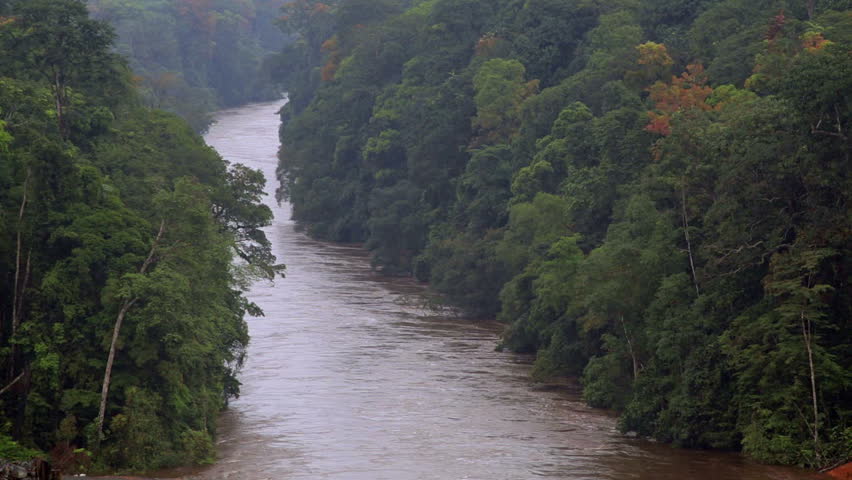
{"points": [[348, 379]]}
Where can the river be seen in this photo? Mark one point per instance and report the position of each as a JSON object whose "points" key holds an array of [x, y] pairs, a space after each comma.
{"points": [[348, 379]]}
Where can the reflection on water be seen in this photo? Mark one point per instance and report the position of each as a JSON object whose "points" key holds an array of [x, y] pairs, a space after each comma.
{"points": [[346, 379]]}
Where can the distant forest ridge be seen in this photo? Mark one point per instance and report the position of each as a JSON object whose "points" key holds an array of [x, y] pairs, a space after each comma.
{"points": [[195, 56]]}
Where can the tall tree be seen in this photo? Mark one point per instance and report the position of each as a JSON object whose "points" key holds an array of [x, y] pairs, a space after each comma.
{"points": [[63, 46]]}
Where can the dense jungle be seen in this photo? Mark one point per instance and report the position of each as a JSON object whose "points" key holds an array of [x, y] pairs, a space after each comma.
{"points": [[651, 196], [126, 245]]}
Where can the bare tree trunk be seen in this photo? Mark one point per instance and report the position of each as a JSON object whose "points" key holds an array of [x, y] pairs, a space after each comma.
{"points": [[632, 352], [17, 291], [807, 336], [12, 383], [110, 359], [686, 236], [19, 287], [20, 306], [58, 95], [122, 312], [811, 9]]}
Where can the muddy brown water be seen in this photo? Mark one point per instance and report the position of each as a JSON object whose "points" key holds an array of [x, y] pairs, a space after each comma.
{"points": [[348, 378]]}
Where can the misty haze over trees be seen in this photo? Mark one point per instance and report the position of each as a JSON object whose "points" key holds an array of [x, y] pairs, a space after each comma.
{"points": [[652, 195], [192, 57]]}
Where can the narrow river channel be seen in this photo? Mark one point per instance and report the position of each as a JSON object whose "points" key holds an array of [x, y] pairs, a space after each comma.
{"points": [[348, 379]]}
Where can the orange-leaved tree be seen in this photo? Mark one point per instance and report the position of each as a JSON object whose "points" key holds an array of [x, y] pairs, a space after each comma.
{"points": [[683, 93]]}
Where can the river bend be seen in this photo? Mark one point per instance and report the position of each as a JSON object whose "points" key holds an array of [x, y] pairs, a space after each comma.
{"points": [[347, 379]]}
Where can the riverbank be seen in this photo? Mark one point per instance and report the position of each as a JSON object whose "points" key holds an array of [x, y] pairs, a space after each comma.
{"points": [[843, 472], [78, 477], [349, 378]]}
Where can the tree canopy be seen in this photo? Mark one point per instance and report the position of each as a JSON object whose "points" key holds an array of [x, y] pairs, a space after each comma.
{"points": [[121, 300], [653, 196]]}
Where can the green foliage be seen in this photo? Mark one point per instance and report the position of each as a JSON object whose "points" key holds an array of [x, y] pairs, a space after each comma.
{"points": [[500, 90], [56, 44], [5, 137], [12, 451], [107, 206], [670, 264]]}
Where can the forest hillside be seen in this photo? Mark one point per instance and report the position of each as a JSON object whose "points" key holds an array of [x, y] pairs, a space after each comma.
{"points": [[653, 195], [126, 245]]}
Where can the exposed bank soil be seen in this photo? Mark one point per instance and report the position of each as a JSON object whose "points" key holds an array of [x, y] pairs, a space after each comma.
{"points": [[121, 477], [843, 472], [180, 473], [72, 477]]}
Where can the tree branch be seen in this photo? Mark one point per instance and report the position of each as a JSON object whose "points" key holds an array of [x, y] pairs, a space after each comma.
{"points": [[12, 383], [686, 235]]}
